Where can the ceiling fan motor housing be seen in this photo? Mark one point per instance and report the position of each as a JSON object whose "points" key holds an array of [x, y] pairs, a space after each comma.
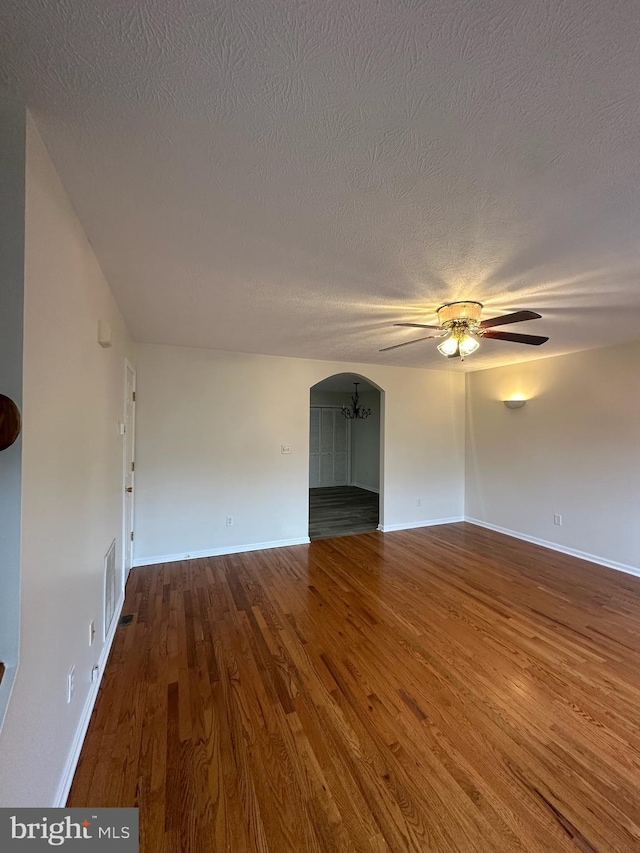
{"points": [[465, 314]]}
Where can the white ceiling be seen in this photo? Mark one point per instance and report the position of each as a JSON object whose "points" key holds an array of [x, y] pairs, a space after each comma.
{"points": [[293, 177]]}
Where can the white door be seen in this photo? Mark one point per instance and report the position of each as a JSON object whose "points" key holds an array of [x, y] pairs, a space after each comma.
{"points": [[129, 464], [328, 447]]}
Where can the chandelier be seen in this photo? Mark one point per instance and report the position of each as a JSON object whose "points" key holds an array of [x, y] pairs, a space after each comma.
{"points": [[355, 411]]}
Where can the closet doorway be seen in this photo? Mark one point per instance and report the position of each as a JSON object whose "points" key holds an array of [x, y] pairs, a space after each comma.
{"points": [[344, 458], [329, 447]]}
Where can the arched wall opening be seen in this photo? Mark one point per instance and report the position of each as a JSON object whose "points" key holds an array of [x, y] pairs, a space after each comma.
{"points": [[346, 457]]}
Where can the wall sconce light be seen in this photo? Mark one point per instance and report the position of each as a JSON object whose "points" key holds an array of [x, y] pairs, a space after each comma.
{"points": [[105, 334], [514, 404]]}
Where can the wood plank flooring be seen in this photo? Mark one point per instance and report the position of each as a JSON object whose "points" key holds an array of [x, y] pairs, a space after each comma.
{"points": [[341, 510], [443, 689]]}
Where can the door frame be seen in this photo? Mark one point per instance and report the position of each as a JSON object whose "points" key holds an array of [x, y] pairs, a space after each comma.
{"points": [[383, 442], [130, 438]]}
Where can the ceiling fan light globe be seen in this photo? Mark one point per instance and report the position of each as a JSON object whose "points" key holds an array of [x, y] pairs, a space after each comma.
{"points": [[449, 346], [468, 345]]}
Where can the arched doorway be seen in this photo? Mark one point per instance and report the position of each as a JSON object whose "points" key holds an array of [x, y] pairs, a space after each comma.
{"points": [[344, 457]]}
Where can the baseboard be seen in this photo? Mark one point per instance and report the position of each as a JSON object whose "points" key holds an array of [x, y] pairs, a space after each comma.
{"points": [[366, 488], [410, 525], [218, 552], [553, 546], [83, 725]]}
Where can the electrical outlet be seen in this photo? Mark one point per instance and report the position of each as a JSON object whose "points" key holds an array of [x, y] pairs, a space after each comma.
{"points": [[229, 521], [92, 631], [71, 683], [557, 520], [285, 448]]}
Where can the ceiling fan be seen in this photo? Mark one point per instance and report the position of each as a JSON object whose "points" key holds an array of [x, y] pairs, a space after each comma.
{"points": [[460, 323]]}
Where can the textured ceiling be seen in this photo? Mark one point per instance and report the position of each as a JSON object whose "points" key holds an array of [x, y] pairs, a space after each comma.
{"points": [[293, 177]]}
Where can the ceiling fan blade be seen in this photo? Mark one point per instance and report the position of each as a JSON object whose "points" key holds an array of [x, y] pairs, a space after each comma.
{"points": [[534, 340], [420, 326], [406, 343], [517, 317]]}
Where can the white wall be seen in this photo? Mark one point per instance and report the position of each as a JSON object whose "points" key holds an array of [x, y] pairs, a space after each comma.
{"points": [[330, 398], [12, 155], [365, 445], [209, 430], [573, 450], [71, 486]]}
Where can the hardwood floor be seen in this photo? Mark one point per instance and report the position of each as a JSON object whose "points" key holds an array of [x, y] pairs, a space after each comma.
{"points": [[340, 510], [445, 689]]}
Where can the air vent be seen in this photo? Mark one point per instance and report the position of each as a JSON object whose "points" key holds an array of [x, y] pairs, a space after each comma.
{"points": [[109, 587]]}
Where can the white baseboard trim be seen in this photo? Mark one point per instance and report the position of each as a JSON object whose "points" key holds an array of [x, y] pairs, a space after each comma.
{"points": [[218, 552], [553, 546], [366, 488], [410, 525], [72, 761]]}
